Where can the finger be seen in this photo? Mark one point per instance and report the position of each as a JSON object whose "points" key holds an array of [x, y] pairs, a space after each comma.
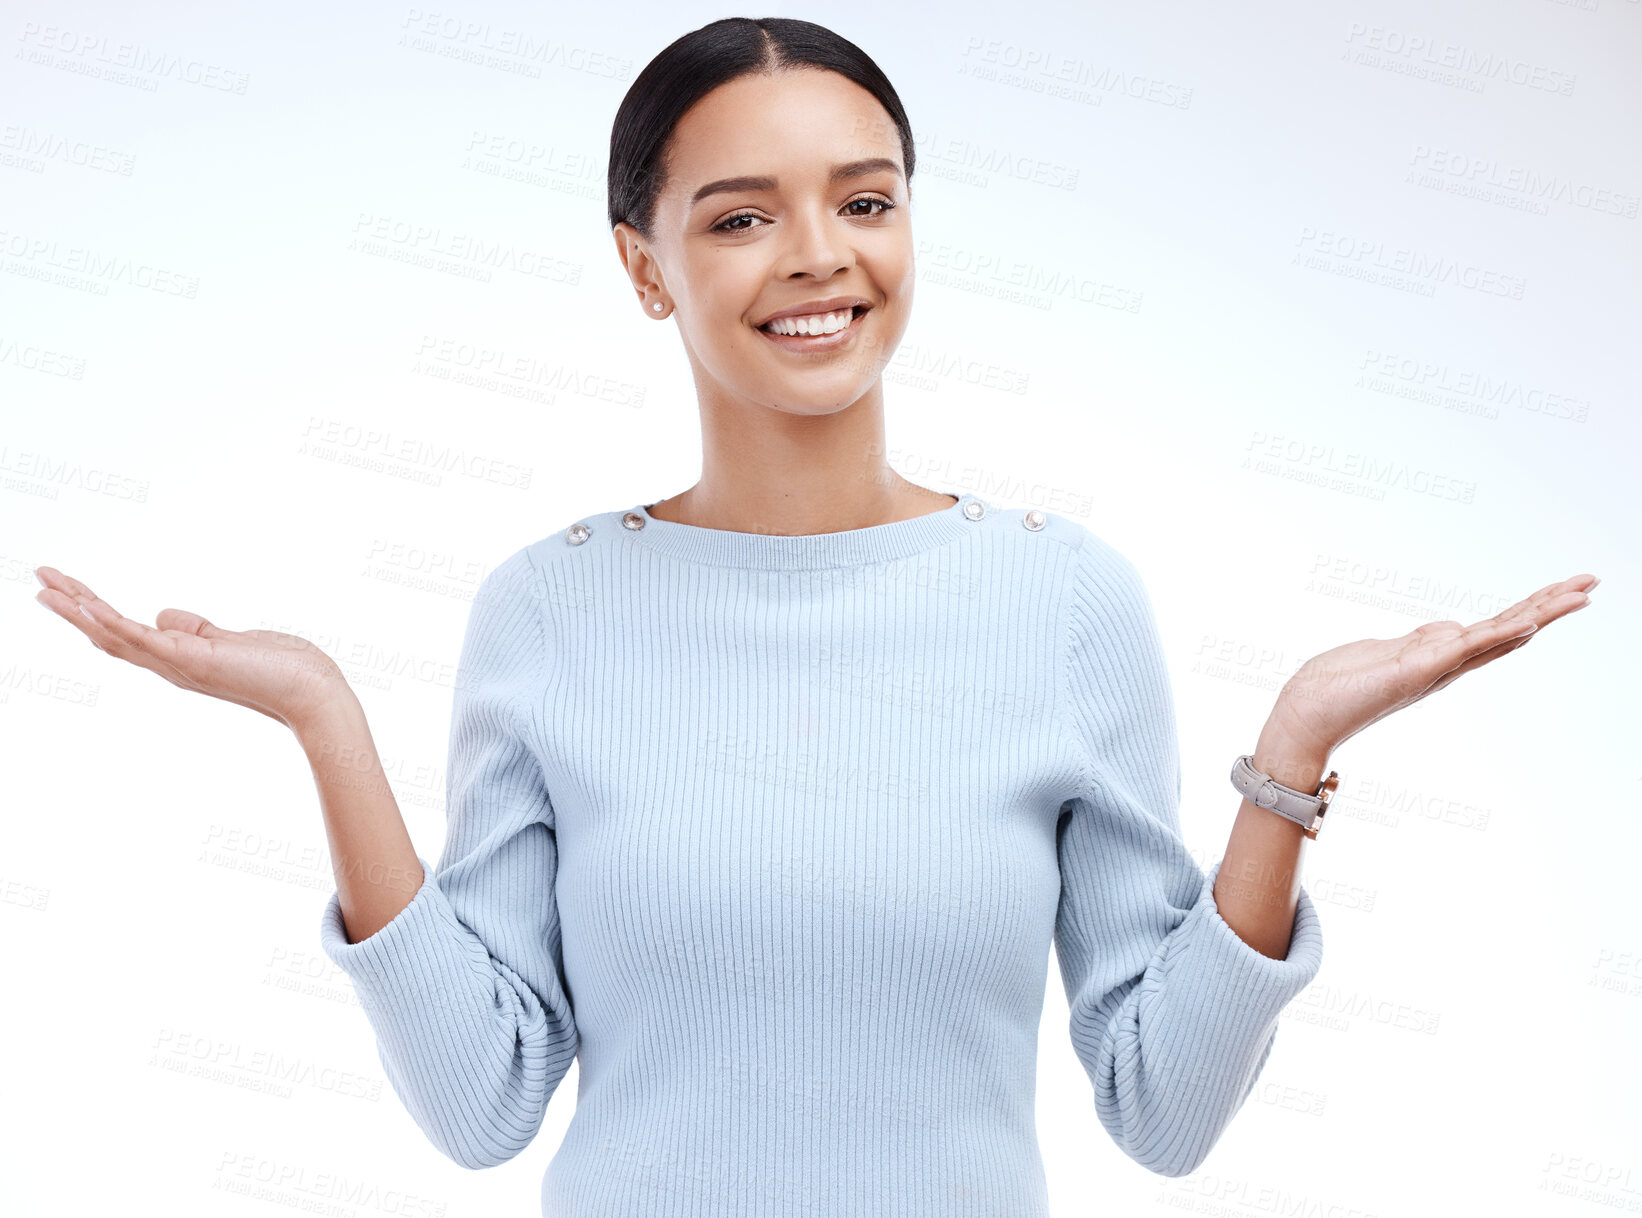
{"points": [[1530, 604], [1477, 661], [133, 641], [79, 598], [189, 623], [1517, 624], [72, 610], [1535, 611], [1543, 607], [1541, 611], [184, 622], [1442, 652], [64, 606], [113, 633], [160, 646], [66, 584], [100, 622], [135, 637], [1574, 583]]}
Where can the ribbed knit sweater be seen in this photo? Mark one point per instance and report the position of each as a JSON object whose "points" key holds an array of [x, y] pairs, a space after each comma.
{"points": [[774, 833]]}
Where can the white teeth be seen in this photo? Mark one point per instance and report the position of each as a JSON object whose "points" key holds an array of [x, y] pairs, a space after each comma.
{"points": [[814, 323]]}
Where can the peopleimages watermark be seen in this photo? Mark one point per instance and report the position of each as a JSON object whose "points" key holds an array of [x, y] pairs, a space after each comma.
{"points": [[1442, 383], [29, 149], [1049, 70], [431, 247], [1354, 473], [1454, 168], [1370, 256], [1420, 55], [491, 45], [121, 62], [82, 267], [380, 450]]}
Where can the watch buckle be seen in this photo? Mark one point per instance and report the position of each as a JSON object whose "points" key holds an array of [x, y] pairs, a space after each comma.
{"points": [[1325, 794]]}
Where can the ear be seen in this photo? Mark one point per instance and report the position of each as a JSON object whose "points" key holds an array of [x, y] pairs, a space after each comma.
{"points": [[636, 261]]}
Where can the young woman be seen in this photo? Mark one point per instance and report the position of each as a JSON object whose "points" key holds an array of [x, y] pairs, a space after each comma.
{"points": [[767, 800]]}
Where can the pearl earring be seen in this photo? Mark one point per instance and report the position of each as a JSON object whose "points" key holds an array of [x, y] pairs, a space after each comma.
{"points": [[657, 306]]}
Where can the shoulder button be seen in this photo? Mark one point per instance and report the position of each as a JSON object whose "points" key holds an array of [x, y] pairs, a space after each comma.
{"points": [[974, 509], [577, 533], [1033, 520], [633, 520]]}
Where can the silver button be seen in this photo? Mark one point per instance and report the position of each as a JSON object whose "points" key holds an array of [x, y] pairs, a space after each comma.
{"points": [[974, 509], [577, 533], [1033, 520], [633, 520]]}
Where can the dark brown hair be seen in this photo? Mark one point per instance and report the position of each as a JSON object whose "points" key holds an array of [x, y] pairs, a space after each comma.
{"points": [[697, 63]]}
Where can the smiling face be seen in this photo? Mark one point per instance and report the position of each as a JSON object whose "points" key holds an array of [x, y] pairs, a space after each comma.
{"points": [[782, 190]]}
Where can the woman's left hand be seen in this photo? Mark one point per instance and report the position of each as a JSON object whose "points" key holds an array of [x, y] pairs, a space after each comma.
{"points": [[1335, 695]]}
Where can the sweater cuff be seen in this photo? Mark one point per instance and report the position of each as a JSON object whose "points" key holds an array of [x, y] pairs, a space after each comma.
{"points": [[1247, 975], [420, 952]]}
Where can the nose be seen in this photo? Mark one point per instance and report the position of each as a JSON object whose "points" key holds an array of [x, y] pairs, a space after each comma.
{"points": [[815, 245]]}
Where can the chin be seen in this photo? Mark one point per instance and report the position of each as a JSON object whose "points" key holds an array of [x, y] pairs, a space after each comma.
{"points": [[788, 405], [814, 400]]}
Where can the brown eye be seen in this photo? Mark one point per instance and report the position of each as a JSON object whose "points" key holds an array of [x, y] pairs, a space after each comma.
{"points": [[723, 226], [883, 203], [729, 223]]}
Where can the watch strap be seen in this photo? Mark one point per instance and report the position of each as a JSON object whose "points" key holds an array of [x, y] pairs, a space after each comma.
{"points": [[1264, 791]]}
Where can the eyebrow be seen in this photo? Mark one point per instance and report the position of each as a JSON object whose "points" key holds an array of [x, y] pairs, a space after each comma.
{"points": [[840, 173]]}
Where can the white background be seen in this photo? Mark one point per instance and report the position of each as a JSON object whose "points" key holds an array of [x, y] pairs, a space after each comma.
{"points": [[1382, 371]]}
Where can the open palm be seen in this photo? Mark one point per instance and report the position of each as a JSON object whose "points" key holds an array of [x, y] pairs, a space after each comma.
{"points": [[1338, 693], [279, 675]]}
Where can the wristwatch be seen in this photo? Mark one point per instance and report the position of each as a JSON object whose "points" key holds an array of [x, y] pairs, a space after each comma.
{"points": [[1264, 791]]}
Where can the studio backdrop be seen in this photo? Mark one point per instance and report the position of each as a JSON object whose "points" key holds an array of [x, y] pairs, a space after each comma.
{"points": [[1325, 315]]}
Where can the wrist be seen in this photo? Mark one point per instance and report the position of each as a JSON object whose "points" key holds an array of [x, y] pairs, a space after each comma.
{"points": [[1293, 762], [340, 717]]}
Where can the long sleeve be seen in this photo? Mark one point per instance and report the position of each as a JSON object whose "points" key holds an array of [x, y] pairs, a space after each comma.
{"points": [[1172, 1014], [465, 988]]}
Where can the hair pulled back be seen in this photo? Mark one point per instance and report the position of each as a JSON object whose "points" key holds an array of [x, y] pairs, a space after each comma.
{"points": [[697, 63]]}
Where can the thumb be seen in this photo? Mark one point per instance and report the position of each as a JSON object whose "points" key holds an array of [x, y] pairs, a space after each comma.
{"points": [[188, 623]]}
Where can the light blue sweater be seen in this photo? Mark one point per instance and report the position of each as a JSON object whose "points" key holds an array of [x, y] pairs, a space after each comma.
{"points": [[774, 833]]}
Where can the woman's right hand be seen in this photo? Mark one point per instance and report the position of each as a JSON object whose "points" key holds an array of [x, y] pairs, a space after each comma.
{"points": [[280, 675]]}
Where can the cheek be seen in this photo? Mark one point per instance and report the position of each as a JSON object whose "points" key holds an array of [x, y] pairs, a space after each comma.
{"points": [[722, 309], [893, 269], [894, 274]]}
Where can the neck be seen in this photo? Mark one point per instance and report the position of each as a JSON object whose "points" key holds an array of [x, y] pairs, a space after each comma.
{"points": [[766, 470]]}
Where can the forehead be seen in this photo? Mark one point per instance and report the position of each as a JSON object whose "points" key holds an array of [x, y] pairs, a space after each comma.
{"points": [[794, 125]]}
